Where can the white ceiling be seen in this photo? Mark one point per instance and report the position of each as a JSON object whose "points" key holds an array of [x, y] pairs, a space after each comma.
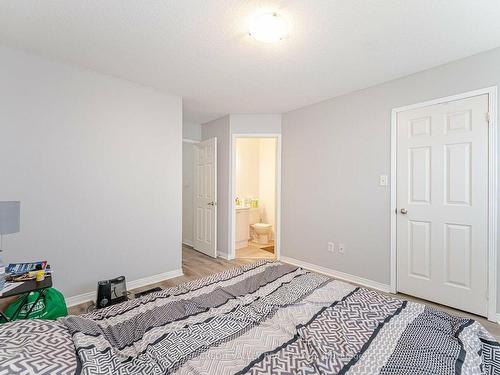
{"points": [[200, 48]]}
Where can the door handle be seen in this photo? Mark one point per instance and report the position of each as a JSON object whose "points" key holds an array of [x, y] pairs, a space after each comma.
{"points": [[404, 211], [211, 203]]}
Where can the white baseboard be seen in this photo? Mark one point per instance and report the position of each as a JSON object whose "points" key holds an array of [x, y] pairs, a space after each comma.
{"points": [[223, 255], [80, 298], [188, 243], [338, 275], [154, 279], [91, 296]]}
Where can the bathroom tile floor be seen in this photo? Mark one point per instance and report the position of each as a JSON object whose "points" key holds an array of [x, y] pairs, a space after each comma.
{"points": [[252, 252]]}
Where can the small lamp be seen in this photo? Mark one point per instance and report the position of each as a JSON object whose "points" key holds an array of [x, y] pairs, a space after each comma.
{"points": [[10, 218]]}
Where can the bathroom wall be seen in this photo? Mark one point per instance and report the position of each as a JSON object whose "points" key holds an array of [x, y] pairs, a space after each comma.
{"points": [[267, 180], [256, 174], [247, 167]]}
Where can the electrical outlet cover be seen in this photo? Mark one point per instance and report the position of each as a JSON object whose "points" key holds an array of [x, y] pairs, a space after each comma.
{"points": [[341, 248], [383, 180]]}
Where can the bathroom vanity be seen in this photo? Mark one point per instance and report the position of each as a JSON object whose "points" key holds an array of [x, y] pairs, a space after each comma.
{"points": [[245, 216], [242, 227]]}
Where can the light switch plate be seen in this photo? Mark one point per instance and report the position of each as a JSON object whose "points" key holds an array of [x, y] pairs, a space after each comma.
{"points": [[383, 180], [331, 247]]}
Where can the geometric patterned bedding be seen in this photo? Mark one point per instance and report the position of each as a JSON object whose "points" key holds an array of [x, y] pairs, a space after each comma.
{"points": [[274, 318], [36, 347]]}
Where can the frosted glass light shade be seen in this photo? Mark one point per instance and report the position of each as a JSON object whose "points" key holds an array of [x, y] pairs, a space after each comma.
{"points": [[268, 28]]}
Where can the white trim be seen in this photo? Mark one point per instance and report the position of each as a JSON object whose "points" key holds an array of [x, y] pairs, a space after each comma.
{"points": [[469, 94], [139, 283], [232, 195], [338, 275], [222, 255], [492, 204], [80, 298], [91, 296], [187, 140], [492, 189], [277, 234], [188, 243], [394, 153]]}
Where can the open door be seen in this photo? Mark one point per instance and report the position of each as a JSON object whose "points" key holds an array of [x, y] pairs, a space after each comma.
{"points": [[205, 197]]}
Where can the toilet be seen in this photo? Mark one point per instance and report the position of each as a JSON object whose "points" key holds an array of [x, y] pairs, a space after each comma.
{"points": [[262, 232]]}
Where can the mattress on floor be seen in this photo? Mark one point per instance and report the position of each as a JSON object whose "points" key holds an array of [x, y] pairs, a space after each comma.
{"points": [[273, 318]]}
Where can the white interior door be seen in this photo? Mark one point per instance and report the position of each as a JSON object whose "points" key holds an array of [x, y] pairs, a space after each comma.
{"points": [[442, 203], [205, 197]]}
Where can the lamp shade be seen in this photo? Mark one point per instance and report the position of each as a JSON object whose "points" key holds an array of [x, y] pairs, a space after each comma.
{"points": [[10, 212]]}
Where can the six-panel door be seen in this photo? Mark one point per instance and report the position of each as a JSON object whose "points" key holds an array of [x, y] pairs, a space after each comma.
{"points": [[442, 169], [205, 197]]}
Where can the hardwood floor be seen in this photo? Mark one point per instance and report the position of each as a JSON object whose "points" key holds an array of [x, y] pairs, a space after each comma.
{"points": [[196, 265]]}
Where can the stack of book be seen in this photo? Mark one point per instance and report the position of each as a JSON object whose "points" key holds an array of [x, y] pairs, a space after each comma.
{"points": [[26, 271]]}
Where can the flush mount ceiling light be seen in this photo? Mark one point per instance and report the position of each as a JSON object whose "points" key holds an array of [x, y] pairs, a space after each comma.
{"points": [[268, 28]]}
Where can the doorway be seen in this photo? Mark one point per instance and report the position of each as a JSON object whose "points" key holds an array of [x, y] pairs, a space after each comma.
{"points": [[188, 154], [444, 201], [255, 203]]}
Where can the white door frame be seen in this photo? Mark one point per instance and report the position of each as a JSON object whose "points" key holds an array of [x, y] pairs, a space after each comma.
{"points": [[232, 195], [492, 189]]}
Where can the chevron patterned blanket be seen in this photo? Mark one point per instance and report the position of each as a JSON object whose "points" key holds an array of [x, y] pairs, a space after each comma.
{"points": [[267, 318], [274, 318]]}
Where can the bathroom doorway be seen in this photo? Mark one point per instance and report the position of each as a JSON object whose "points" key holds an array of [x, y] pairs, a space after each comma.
{"points": [[255, 213]]}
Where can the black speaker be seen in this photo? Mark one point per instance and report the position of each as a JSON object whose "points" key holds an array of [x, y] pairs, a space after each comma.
{"points": [[111, 292]]}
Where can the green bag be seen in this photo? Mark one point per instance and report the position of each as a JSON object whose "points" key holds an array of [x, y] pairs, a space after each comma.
{"points": [[50, 306]]}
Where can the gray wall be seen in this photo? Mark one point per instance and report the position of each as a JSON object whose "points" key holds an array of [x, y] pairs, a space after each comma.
{"points": [[220, 128], [96, 164], [333, 153], [191, 130], [188, 153], [242, 123]]}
